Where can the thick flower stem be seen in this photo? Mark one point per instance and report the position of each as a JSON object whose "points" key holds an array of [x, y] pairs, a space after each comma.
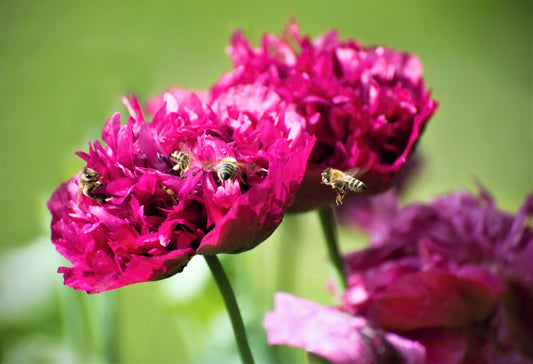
{"points": [[327, 219], [231, 305]]}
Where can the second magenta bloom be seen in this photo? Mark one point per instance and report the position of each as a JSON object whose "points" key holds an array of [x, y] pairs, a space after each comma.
{"points": [[367, 106]]}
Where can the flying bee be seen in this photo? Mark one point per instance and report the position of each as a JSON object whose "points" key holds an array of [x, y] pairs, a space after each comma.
{"points": [[88, 182], [342, 182], [181, 160]]}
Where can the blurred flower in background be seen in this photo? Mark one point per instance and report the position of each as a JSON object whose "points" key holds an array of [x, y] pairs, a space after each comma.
{"points": [[139, 221], [453, 275]]}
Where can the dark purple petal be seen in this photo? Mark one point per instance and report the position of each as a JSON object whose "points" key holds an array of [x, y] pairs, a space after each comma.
{"points": [[456, 264], [435, 298]]}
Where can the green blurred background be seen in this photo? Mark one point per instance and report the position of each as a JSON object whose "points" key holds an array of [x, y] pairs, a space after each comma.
{"points": [[64, 66]]}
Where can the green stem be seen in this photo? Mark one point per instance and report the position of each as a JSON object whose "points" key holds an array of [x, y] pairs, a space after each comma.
{"points": [[231, 306], [109, 325], [327, 219], [286, 260]]}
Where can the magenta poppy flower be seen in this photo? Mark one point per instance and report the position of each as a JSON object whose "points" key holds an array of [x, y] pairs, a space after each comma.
{"points": [[454, 275], [334, 335], [367, 106], [175, 96], [132, 217]]}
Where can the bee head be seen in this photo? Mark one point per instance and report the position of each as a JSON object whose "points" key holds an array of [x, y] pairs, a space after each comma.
{"points": [[326, 175], [88, 174]]}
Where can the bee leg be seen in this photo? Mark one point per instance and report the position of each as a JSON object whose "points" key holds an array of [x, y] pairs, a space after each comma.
{"points": [[99, 197], [340, 195], [338, 199], [243, 176], [182, 171]]}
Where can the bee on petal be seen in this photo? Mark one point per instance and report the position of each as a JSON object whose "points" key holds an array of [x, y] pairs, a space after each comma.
{"points": [[342, 182], [88, 182], [181, 159], [228, 168]]}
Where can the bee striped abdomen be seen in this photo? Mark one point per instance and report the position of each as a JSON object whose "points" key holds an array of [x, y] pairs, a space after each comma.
{"points": [[227, 169], [181, 162], [355, 185]]}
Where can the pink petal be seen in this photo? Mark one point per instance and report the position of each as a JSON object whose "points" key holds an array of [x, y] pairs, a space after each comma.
{"points": [[329, 333]]}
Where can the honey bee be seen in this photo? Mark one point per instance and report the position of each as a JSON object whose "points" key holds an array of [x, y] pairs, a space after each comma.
{"points": [[228, 168], [181, 160], [342, 182], [88, 182]]}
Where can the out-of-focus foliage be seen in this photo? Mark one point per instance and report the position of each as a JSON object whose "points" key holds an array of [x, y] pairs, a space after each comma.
{"points": [[65, 64]]}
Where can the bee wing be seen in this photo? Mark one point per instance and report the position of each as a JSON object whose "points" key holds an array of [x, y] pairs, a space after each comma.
{"points": [[356, 171], [185, 149], [247, 166], [206, 165]]}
